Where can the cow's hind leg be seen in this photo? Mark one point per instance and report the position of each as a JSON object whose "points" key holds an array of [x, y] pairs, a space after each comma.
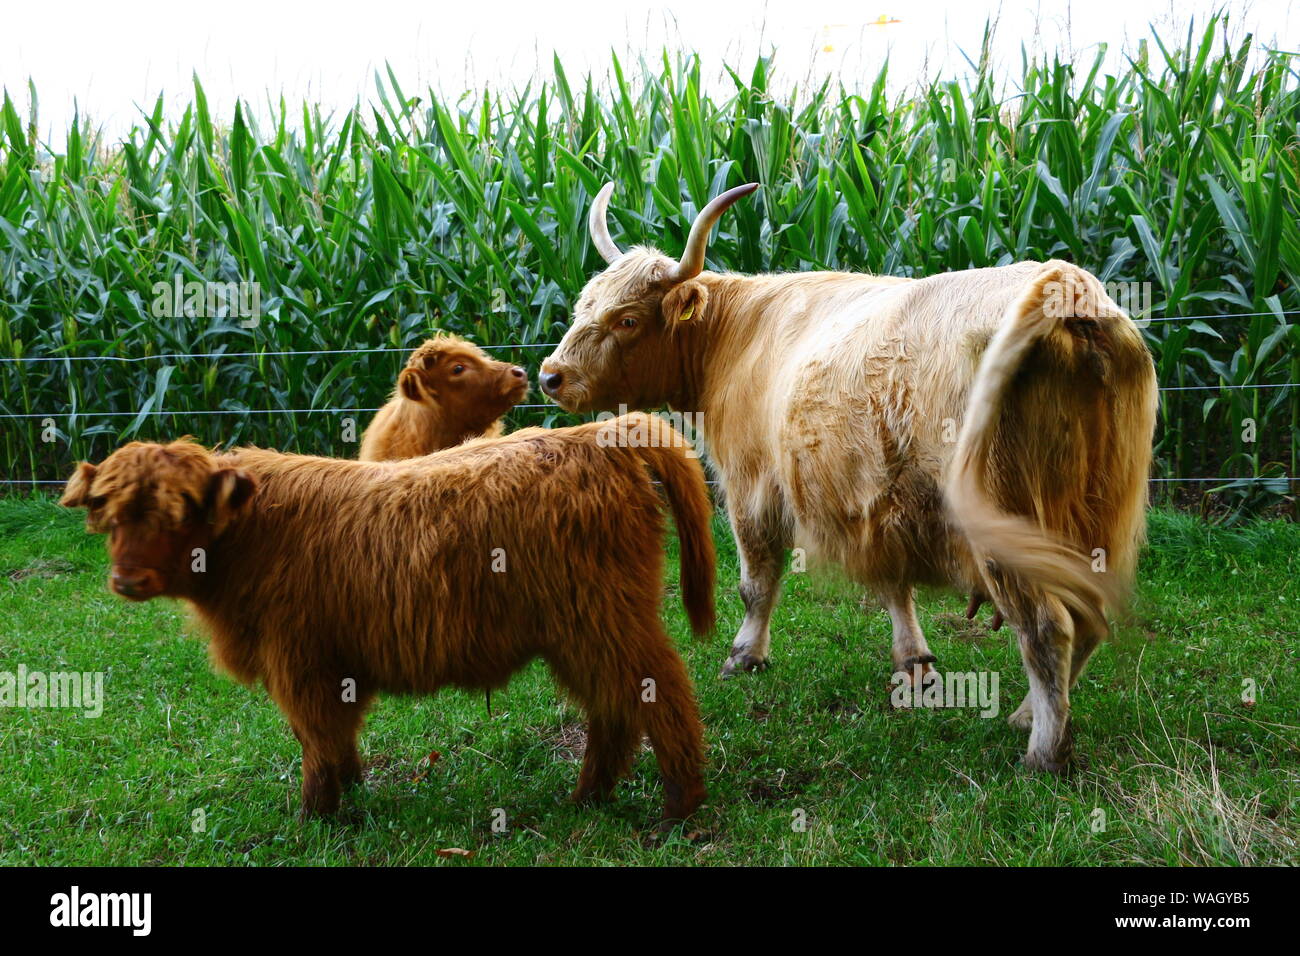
{"points": [[1046, 647], [1085, 641], [762, 554], [910, 651]]}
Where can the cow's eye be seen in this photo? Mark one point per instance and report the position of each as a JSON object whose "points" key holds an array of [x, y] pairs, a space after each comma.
{"points": [[457, 369], [97, 502], [628, 322]]}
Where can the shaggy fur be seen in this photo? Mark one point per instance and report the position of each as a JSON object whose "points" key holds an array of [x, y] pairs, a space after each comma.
{"points": [[987, 429], [449, 391], [332, 581]]}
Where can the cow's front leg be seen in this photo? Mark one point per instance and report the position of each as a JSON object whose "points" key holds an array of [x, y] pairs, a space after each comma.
{"points": [[762, 554], [911, 652]]}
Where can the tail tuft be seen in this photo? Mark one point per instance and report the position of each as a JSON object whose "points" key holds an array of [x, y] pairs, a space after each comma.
{"points": [[1109, 379]]}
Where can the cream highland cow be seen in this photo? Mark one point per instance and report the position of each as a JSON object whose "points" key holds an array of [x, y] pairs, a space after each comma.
{"points": [[988, 429]]}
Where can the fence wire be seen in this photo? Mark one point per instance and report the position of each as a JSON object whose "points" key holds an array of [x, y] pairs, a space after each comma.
{"points": [[209, 356]]}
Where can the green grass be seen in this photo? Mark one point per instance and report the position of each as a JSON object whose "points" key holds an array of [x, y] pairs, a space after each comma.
{"points": [[1183, 771]]}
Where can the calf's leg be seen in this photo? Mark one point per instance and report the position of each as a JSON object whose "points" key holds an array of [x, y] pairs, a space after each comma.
{"points": [[611, 744], [326, 726], [672, 721], [762, 553], [630, 683]]}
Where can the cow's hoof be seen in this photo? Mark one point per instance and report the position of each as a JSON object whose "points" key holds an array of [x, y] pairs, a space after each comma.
{"points": [[924, 663], [743, 663], [1022, 717], [1038, 763]]}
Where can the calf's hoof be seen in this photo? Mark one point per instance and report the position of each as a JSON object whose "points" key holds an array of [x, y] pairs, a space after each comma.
{"points": [[667, 828], [743, 662], [319, 800], [584, 796], [680, 801], [307, 814]]}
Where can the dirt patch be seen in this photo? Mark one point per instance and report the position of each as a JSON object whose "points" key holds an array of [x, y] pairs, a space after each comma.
{"points": [[780, 787], [43, 568], [570, 744], [842, 707], [956, 627]]}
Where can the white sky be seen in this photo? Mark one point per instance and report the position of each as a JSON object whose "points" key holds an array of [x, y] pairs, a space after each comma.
{"points": [[114, 58]]}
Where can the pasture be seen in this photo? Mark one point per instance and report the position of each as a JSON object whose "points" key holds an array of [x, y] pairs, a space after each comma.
{"points": [[1177, 767], [259, 276]]}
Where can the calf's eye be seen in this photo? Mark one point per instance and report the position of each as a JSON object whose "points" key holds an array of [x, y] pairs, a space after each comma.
{"points": [[457, 369], [628, 322]]}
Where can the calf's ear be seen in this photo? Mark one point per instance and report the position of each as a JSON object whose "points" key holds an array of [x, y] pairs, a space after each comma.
{"points": [[76, 494], [685, 302], [229, 490], [412, 386]]}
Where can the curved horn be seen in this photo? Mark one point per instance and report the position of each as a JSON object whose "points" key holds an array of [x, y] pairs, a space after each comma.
{"points": [[692, 261], [599, 227]]}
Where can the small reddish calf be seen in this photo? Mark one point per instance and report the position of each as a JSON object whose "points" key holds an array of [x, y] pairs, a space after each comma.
{"points": [[449, 391], [332, 581]]}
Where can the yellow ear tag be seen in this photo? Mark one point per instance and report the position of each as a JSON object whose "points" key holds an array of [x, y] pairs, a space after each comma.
{"points": [[690, 310]]}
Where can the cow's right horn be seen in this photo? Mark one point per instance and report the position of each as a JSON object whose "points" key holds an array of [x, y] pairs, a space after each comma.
{"points": [[692, 261], [599, 226]]}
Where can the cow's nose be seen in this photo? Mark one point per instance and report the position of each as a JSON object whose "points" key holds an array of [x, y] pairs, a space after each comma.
{"points": [[551, 382], [517, 372]]}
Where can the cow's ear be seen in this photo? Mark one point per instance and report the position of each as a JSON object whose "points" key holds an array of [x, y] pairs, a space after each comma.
{"points": [[77, 492], [229, 490], [413, 387], [685, 302]]}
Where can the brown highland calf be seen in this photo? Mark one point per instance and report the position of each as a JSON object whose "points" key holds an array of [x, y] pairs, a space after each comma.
{"points": [[450, 391], [332, 581]]}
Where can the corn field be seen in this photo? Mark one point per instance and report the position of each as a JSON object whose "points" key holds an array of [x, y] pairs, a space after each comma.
{"points": [[1178, 175]]}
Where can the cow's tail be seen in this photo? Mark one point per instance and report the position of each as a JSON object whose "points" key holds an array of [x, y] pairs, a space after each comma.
{"points": [[670, 456], [1048, 481]]}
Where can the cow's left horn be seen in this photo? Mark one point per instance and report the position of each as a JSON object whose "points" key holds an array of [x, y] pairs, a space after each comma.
{"points": [[692, 261], [599, 226]]}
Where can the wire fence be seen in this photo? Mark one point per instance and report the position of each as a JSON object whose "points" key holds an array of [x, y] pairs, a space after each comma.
{"points": [[220, 355], [339, 411]]}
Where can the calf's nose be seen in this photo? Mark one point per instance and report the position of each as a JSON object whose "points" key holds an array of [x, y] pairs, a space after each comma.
{"points": [[517, 372], [551, 382], [128, 584]]}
